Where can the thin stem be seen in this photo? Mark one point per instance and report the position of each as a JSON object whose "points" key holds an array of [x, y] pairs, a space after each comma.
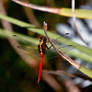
{"points": [[71, 87], [58, 72], [30, 15], [59, 52], [75, 23], [29, 60], [52, 82], [46, 9], [80, 13], [83, 69], [62, 72]]}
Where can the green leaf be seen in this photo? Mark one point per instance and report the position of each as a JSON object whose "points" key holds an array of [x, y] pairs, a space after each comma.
{"points": [[80, 13], [86, 71], [87, 52], [19, 37]]}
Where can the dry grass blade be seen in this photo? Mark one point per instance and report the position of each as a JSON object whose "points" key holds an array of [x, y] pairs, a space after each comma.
{"points": [[75, 23], [59, 52], [46, 9], [83, 69], [29, 60], [58, 72]]}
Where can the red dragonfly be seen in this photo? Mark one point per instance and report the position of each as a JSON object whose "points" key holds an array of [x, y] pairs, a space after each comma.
{"points": [[42, 48]]}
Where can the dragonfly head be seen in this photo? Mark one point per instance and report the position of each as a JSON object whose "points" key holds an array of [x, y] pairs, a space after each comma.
{"points": [[43, 39]]}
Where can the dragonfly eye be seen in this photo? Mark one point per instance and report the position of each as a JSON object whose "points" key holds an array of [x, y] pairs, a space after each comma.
{"points": [[42, 38]]}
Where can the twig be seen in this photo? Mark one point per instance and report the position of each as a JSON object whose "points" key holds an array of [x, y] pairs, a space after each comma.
{"points": [[59, 52], [80, 13], [62, 72], [58, 72], [31, 16], [75, 23], [46, 9], [71, 87], [29, 60], [52, 82]]}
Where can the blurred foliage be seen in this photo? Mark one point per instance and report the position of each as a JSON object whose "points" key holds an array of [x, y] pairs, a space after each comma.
{"points": [[15, 74]]}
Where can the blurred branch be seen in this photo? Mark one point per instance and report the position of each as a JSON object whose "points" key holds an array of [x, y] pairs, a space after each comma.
{"points": [[46, 9], [71, 87], [30, 15], [29, 60], [62, 72], [80, 13], [52, 82], [75, 23], [59, 72]]}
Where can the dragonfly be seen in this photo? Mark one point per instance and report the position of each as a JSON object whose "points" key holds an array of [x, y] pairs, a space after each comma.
{"points": [[41, 48]]}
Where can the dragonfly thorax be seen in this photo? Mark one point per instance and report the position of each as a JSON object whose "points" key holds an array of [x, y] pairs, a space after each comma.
{"points": [[42, 45]]}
